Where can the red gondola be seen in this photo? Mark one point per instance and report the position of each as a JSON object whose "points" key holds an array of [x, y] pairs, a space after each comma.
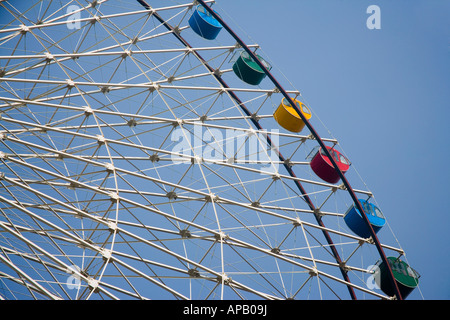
{"points": [[324, 169]]}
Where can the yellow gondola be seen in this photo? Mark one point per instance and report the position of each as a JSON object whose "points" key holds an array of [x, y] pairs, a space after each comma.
{"points": [[288, 118]]}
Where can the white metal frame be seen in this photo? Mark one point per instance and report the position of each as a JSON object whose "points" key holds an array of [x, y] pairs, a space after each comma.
{"points": [[72, 168]]}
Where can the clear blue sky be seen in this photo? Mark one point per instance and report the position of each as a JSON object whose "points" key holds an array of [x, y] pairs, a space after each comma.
{"points": [[384, 94]]}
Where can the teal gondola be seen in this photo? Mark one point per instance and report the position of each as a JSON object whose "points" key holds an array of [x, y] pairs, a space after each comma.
{"points": [[406, 277], [248, 70]]}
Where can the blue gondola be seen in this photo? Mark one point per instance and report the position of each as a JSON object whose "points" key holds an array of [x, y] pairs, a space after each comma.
{"points": [[204, 24], [355, 221]]}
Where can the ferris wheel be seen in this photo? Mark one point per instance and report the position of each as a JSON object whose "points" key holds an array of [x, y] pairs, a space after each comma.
{"points": [[147, 152]]}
